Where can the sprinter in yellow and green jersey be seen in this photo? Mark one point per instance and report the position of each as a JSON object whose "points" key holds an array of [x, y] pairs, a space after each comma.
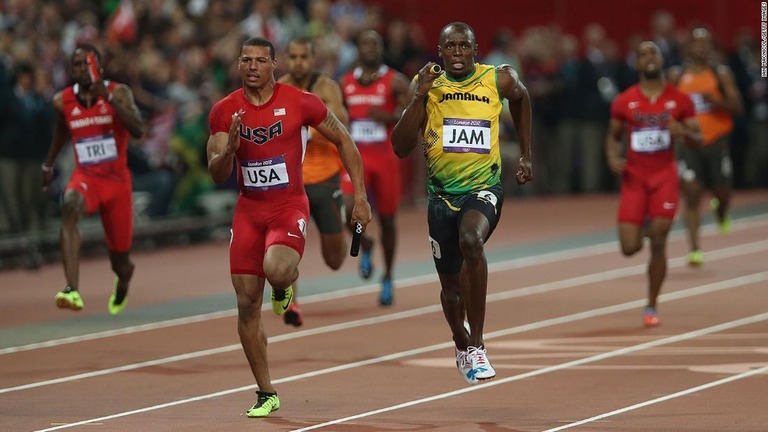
{"points": [[454, 115]]}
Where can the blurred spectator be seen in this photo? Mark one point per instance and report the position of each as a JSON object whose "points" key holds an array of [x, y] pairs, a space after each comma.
{"points": [[24, 139], [566, 162], [264, 22], [178, 56], [663, 32], [627, 73], [344, 45], [403, 49], [750, 134], [503, 51], [540, 72], [156, 182], [188, 143], [596, 86], [292, 20]]}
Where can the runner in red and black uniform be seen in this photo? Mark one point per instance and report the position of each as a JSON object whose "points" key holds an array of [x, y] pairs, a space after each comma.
{"points": [[655, 114], [98, 116], [375, 96], [262, 129]]}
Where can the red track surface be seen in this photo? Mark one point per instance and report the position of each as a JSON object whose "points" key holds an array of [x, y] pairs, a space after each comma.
{"points": [[563, 331]]}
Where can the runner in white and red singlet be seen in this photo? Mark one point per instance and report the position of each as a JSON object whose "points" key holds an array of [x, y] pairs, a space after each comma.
{"points": [[375, 96], [98, 117], [655, 114], [262, 129]]}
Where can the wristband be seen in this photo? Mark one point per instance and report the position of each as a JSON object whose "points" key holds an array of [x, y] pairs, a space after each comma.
{"points": [[46, 168]]}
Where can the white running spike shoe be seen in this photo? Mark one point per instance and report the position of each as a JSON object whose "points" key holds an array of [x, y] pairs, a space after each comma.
{"points": [[481, 368], [464, 366]]}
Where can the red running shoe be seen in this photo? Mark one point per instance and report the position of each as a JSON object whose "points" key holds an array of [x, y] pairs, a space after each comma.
{"points": [[650, 319], [292, 315]]}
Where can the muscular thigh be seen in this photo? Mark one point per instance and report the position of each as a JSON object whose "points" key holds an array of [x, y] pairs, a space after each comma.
{"points": [[326, 205], [88, 188], [384, 182], [442, 219], [718, 167], [256, 227], [116, 210], [664, 192], [710, 165], [444, 215], [634, 198], [247, 241]]}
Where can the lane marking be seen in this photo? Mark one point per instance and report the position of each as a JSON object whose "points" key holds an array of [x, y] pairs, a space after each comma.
{"points": [[546, 258], [606, 355], [518, 292], [704, 289], [681, 393]]}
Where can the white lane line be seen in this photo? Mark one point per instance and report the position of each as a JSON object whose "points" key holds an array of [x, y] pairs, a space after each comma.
{"points": [[314, 298], [717, 286], [745, 223], [681, 393], [122, 331], [602, 356], [519, 292]]}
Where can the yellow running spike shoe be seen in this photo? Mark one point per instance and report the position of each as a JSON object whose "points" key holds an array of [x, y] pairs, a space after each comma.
{"points": [[281, 300], [69, 299], [265, 404]]}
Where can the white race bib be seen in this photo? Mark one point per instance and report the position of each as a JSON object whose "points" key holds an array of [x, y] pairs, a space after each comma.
{"points": [[466, 136], [368, 131], [93, 150], [699, 104], [650, 140], [265, 174]]}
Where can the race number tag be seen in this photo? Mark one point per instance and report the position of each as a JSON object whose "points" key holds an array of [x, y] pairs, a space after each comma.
{"points": [[699, 104], [93, 150], [650, 140], [368, 131], [466, 136], [265, 174]]}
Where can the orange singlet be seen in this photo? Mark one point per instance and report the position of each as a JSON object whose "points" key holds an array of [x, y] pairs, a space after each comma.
{"points": [[715, 122], [321, 160]]}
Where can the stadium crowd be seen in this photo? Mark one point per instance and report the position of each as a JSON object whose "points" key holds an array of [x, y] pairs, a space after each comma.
{"points": [[178, 56]]}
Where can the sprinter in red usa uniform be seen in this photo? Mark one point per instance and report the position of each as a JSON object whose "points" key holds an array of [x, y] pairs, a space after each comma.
{"points": [[262, 130], [98, 116], [655, 114]]}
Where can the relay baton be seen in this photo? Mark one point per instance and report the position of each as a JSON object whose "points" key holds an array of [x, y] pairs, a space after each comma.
{"points": [[353, 251], [93, 68], [435, 69]]}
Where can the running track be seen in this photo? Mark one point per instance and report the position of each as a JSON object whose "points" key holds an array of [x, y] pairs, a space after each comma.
{"points": [[563, 330]]}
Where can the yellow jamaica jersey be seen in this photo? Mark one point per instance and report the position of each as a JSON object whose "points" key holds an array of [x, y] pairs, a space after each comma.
{"points": [[461, 137]]}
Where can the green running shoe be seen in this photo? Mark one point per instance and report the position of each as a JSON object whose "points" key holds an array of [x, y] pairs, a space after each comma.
{"points": [[281, 300], [114, 307], [724, 225], [695, 258], [265, 404], [69, 299]]}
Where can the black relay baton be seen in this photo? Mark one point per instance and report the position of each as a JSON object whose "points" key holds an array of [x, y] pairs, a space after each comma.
{"points": [[356, 234]]}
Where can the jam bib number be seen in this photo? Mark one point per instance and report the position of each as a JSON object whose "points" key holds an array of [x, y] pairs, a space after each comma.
{"points": [[466, 136]]}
